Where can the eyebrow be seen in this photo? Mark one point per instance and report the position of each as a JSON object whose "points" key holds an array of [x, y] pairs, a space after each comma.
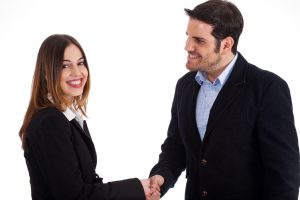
{"points": [[197, 38], [70, 60]]}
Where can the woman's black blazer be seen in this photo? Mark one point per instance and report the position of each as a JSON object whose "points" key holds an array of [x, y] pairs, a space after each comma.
{"points": [[61, 161]]}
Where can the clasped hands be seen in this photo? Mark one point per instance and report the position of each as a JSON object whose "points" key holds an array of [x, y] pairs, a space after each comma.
{"points": [[152, 187]]}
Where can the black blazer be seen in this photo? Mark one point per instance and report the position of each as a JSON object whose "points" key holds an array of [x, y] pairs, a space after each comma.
{"points": [[61, 161], [250, 149]]}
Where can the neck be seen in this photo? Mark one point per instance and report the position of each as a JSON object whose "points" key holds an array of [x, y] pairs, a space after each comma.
{"points": [[221, 66]]}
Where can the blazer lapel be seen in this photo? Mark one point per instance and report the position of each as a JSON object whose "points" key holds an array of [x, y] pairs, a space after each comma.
{"points": [[85, 134], [86, 130], [188, 112], [80, 129], [228, 93]]}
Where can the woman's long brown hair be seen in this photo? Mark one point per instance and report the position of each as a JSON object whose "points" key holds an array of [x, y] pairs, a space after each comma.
{"points": [[46, 80]]}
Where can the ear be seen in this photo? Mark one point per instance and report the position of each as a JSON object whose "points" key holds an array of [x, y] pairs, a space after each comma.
{"points": [[226, 45]]}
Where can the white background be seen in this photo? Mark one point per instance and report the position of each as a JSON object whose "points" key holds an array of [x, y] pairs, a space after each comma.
{"points": [[135, 50]]}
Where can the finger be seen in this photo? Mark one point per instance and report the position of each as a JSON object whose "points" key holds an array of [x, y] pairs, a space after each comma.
{"points": [[155, 195], [155, 187]]}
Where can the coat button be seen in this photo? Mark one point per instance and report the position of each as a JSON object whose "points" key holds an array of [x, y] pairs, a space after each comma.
{"points": [[203, 162], [204, 194]]}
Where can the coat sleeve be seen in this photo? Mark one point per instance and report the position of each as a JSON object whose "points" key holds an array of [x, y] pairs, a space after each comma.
{"points": [[278, 143], [49, 143], [172, 160]]}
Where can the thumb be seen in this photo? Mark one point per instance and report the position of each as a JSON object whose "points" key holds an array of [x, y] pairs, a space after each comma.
{"points": [[158, 180]]}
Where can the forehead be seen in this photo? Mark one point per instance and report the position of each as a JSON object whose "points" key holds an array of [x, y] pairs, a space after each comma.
{"points": [[198, 28], [72, 51]]}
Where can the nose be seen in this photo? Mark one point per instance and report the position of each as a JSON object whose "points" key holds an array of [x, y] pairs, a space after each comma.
{"points": [[189, 46], [75, 70]]}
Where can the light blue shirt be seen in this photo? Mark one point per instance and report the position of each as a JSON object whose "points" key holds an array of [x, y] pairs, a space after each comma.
{"points": [[208, 94]]}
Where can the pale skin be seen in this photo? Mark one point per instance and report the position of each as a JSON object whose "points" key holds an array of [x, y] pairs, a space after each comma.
{"points": [[203, 56], [72, 81], [74, 74], [156, 182], [150, 193]]}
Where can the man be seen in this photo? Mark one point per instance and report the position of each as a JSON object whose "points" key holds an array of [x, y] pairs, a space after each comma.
{"points": [[232, 126]]}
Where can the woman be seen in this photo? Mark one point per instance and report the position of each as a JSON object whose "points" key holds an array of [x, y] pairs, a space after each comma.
{"points": [[58, 148]]}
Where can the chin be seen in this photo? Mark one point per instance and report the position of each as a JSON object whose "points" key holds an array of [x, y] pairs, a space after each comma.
{"points": [[191, 68], [77, 95]]}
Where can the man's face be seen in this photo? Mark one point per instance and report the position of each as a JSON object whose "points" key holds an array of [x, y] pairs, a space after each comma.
{"points": [[203, 55]]}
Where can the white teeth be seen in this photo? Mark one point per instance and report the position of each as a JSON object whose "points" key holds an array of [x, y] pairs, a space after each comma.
{"points": [[193, 56], [75, 82]]}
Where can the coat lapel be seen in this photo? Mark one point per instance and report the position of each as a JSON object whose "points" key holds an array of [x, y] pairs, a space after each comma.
{"points": [[85, 134], [86, 130], [188, 113], [195, 136], [228, 93]]}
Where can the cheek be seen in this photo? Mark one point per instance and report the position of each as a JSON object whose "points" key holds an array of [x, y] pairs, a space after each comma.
{"points": [[85, 72], [63, 78]]}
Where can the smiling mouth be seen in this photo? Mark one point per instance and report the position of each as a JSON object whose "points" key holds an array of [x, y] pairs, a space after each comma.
{"points": [[193, 56], [75, 83]]}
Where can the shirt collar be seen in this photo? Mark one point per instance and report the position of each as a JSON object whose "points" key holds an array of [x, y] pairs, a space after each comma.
{"points": [[73, 114], [201, 77], [69, 113]]}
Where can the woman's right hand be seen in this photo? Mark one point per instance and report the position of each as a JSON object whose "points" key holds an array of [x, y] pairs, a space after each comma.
{"points": [[146, 186]]}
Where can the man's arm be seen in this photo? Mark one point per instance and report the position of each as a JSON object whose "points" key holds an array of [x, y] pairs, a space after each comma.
{"points": [[172, 160], [278, 143]]}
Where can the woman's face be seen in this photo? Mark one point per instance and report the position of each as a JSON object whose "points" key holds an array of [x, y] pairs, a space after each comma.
{"points": [[74, 73]]}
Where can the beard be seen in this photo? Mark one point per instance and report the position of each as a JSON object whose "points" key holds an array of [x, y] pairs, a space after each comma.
{"points": [[209, 63]]}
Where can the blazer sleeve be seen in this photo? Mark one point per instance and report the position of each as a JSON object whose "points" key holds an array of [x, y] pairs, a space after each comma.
{"points": [[278, 142], [172, 160], [49, 141]]}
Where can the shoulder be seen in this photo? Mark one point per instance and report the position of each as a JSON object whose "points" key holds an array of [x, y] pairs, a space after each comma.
{"points": [[255, 74], [49, 113], [189, 76], [186, 79], [264, 77], [48, 120]]}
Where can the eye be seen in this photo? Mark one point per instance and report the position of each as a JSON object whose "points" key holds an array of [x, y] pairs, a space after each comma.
{"points": [[199, 40], [81, 63], [65, 66]]}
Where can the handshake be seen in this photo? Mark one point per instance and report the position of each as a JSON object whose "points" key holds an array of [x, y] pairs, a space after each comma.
{"points": [[152, 187]]}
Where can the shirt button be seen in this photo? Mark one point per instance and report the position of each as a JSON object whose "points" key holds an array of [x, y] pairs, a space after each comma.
{"points": [[204, 194], [203, 162]]}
